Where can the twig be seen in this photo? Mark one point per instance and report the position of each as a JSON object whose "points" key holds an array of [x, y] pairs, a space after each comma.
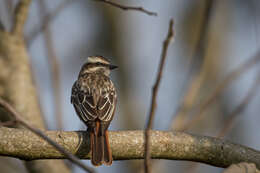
{"points": [[123, 7], [149, 124], [54, 65], [46, 20], [240, 108], [128, 145], [20, 16], [228, 79], [18, 118], [193, 69]]}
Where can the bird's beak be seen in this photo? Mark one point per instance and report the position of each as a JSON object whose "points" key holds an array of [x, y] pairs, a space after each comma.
{"points": [[111, 67]]}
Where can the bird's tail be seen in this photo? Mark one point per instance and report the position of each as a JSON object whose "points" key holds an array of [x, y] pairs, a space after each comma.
{"points": [[101, 152]]}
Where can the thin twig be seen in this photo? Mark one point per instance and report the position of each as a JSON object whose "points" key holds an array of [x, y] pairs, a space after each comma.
{"points": [[123, 7], [54, 65], [47, 20], [149, 124], [193, 79], [18, 119], [20, 16], [212, 97], [240, 108]]}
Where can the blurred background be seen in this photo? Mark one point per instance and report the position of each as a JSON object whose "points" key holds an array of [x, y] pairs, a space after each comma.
{"points": [[212, 40]]}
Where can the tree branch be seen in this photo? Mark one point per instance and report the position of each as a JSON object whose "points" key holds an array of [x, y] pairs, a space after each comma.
{"points": [[123, 7], [126, 145], [20, 16], [18, 118], [149, 125]]}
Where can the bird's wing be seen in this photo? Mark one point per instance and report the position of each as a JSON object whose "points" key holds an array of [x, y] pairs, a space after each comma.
{"points": [[84, 103], [106, 105]]}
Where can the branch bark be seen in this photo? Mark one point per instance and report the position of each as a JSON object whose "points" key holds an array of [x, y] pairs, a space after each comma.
{"points": [[18, 119], [128, 145]]}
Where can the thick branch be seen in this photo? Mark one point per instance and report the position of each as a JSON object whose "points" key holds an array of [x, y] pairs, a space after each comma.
{"points": [[18, 119], [128, 145]]}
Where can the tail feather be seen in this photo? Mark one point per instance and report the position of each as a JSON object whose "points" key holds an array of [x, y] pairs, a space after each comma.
{"points": [[107, 151], [101, 153]]}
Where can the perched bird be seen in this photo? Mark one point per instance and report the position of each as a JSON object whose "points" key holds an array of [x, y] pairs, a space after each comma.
{"points": [[94, 99]]}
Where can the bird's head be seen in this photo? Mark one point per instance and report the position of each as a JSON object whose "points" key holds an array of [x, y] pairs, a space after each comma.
{"points": [[97, 64]]}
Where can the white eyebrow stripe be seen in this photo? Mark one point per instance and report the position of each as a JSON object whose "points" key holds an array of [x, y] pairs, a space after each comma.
{"points": [[94, 59]]}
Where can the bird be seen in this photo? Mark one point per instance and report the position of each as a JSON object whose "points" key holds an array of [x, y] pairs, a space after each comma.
{"points": [[94, 99]]}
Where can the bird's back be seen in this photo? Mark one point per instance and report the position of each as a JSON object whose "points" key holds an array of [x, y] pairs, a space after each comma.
{"points": [[94, 97]]}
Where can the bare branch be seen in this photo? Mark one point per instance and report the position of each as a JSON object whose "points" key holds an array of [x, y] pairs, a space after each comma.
{"points": [[20, 16], [149, 125], [123, 7], [54, 66], [228, 79], [18, 119], [127, 145]]}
